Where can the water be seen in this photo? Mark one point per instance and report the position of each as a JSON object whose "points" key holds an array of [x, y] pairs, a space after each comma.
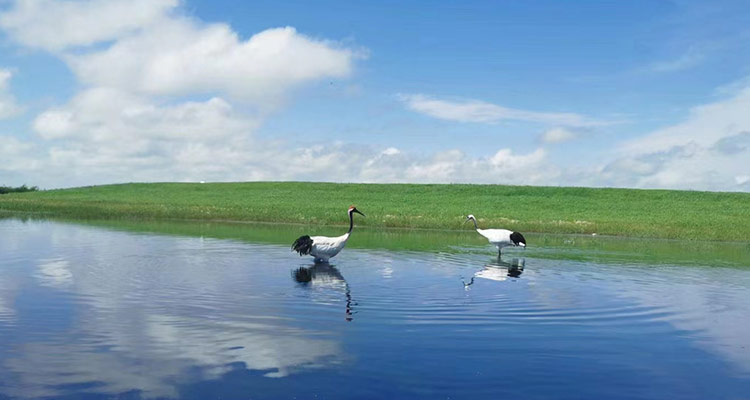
{"points": [[201, 311]]}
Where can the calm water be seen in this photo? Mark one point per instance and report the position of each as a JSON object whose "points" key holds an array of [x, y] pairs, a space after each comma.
{"points": [[124, 310]]}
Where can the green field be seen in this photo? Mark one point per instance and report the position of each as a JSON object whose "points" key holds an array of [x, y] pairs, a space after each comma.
{"points": [[622, 212]]}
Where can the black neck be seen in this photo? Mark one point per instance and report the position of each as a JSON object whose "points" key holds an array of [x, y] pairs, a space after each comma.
{"points": [[475, 223], [351, 221]]}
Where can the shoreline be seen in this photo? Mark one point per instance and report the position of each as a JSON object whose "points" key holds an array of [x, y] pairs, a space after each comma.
{"points": [[626, 213]]}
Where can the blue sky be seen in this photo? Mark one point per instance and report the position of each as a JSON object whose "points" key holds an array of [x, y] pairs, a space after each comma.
{"points": [[652, 94]]}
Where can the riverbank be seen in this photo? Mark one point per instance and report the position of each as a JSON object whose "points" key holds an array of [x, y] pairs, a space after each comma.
{"points": [[620, 212]]}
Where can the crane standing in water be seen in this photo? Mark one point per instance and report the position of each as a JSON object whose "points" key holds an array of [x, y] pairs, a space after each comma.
{"points": [[499, 237], [324, 247]]}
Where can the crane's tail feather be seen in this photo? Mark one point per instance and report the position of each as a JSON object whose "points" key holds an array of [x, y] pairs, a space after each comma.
{"points": [[303, 245]]}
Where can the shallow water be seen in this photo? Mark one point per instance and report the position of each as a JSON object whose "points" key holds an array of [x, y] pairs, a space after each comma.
{"points": [[178, 310]]}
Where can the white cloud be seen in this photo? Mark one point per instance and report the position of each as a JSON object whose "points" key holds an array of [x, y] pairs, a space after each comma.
{"points": [[707, 151], [145, 46], [8, 105], [689, 166], [105, 136], [558, 135], [479, 111], [137, 62], [180, 57], [105, 114], [704, 126], [120, 127], [110, 135], [17, 158], [455, 166], [57, 25]]}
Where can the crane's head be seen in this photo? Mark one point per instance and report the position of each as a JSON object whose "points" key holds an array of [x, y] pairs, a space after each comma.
{"points": [[470, 217], [353, 209], [518, 239]]}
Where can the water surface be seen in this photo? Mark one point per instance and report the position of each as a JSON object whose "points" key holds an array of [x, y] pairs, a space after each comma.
{"points": [[179, 310]]}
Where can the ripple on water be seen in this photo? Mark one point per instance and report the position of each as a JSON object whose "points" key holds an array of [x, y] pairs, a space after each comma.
{"points": [[424, 324]]}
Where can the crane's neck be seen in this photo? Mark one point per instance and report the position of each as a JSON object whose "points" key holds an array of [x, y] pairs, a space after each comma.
{"points": [[475, 223], [351, 222]]}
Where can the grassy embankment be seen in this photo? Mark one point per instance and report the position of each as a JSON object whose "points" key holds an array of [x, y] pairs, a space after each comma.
{"points": [[584, 248], [622, 212]]}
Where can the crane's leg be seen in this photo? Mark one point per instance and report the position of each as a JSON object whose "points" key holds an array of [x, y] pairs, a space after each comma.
{"points": [[499, 252]]}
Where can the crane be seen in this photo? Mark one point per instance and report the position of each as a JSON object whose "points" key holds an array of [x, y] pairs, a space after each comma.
{"points": [[499, 237], [324, 247]]}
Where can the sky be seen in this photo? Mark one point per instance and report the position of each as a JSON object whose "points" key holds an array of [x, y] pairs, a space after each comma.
{"points": [[646, 94]]}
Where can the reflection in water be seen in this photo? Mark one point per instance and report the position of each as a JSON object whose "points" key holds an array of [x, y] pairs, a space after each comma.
{"points": [[499, 270], [325, 275], [91, 313], [143, 313]]}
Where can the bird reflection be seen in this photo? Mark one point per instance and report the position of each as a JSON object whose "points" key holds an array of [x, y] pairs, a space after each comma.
{"points": [[325, 274], [499, 270]]}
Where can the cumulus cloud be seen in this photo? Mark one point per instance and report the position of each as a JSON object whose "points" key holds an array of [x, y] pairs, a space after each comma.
{"points": [[104, 135], [167, 97], [57, 25], [730, 145], [164, 96], [8, 105], [181, 57], [504, 166], [108, 134], [704, 126], [480, 111], [690, 166], [106, 114], [17, 156], [145, 46], [707, 151], [129, 122]]}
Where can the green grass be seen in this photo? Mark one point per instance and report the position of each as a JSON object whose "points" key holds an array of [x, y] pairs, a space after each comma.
{"points": [[584, 248], [622, 212]]}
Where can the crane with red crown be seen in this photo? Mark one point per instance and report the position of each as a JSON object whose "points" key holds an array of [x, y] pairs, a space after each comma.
{"points": [[324, 247]]}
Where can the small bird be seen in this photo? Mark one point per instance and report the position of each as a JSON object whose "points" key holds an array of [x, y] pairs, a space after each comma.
{"points": [[324, 247], [499, 237]]}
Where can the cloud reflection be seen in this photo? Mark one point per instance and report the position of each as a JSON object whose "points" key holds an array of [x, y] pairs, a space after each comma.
{"points": [[149, 309]]}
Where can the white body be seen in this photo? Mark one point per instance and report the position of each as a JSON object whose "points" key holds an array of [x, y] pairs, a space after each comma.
{"points": [[325, 247], [497, 237]]}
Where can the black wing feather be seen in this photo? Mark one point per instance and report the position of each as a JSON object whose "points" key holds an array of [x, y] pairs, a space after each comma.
{"points": [[303, 245]]}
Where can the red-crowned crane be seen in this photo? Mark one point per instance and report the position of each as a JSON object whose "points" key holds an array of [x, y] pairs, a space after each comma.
{"points": [[324, 247], [499, 237]]}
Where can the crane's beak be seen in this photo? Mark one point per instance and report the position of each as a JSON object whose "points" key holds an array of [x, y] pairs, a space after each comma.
{"points": [[358, 212]]}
